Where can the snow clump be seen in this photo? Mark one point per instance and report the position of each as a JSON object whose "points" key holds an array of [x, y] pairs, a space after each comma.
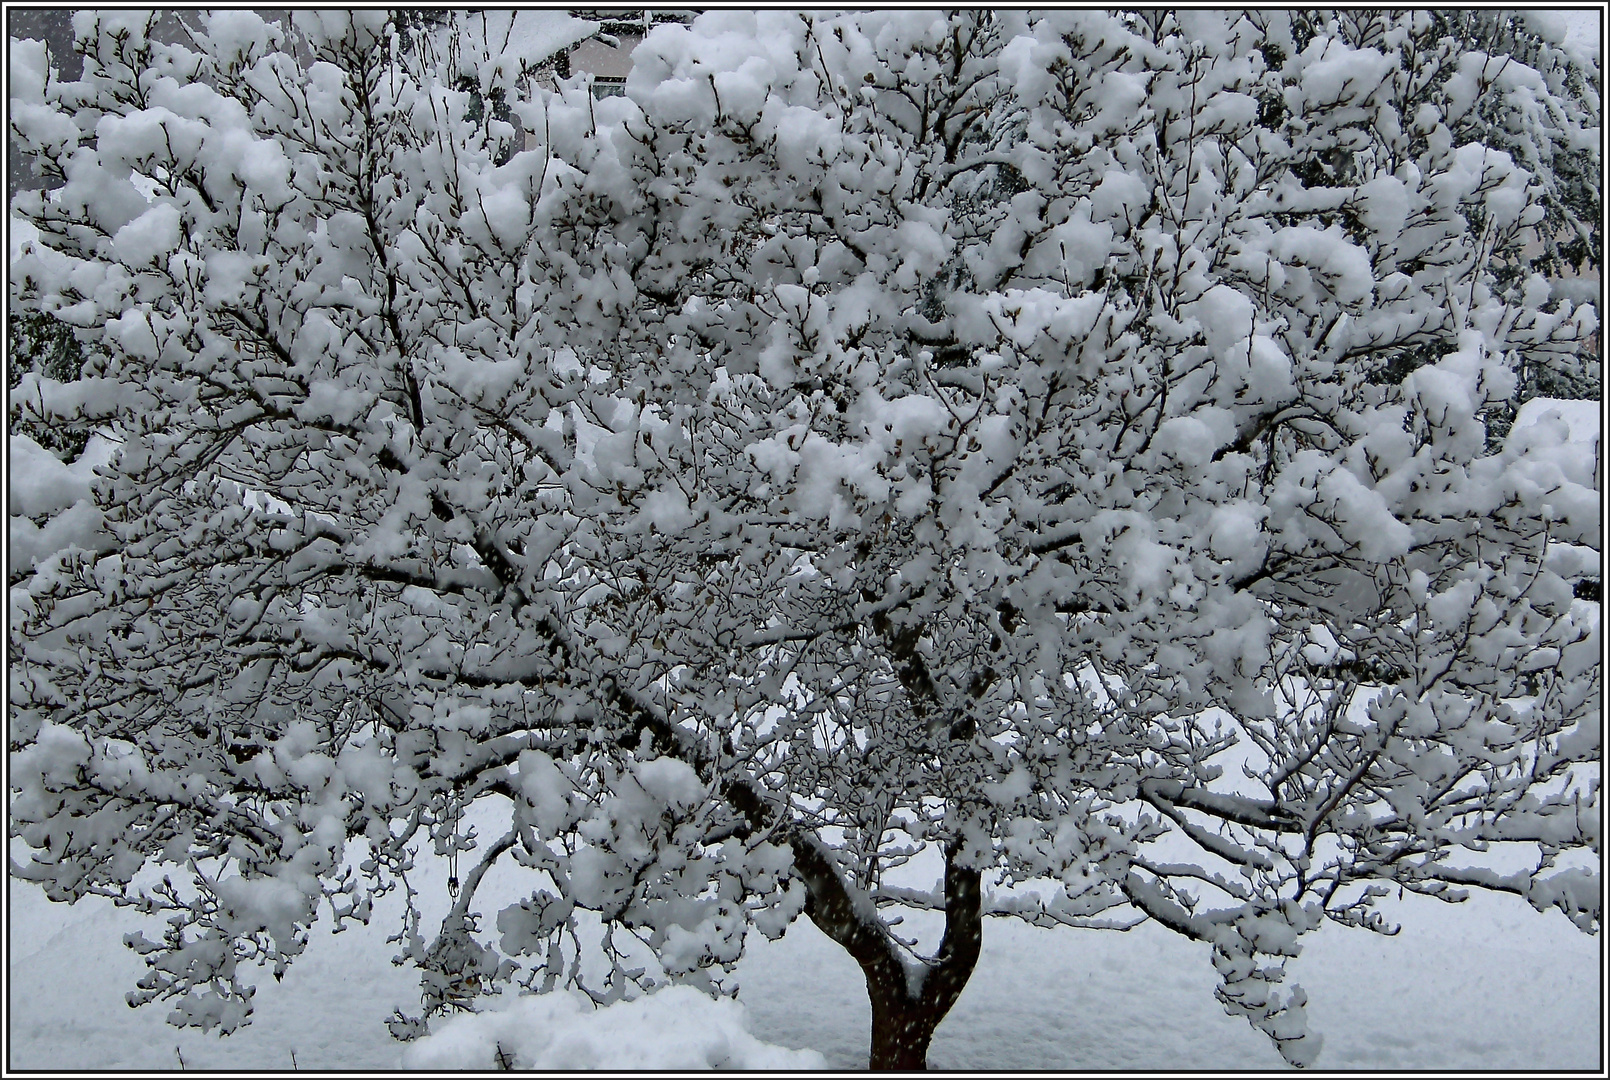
{"points": [[676, 1028]]}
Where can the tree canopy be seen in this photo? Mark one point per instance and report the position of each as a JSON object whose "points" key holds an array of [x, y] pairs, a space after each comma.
{"points": [[1045, 452]]}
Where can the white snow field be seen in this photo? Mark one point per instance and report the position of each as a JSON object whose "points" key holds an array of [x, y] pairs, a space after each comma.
{"points": [[1489, 984], [1485, 985]]}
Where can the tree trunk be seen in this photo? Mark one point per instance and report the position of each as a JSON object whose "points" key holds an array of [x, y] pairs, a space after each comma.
{"points": [[904, 1016], [901, 1027]]}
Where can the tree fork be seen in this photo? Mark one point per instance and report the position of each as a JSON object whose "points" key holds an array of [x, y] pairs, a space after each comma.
{"points": [[904, 1016]]}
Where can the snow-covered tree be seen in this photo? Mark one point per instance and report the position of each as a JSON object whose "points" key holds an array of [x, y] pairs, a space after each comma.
{"points": [[987, 463]]}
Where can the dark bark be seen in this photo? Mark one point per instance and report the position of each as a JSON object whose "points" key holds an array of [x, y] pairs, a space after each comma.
{"points": [[901, 1030], [904, 1017]]}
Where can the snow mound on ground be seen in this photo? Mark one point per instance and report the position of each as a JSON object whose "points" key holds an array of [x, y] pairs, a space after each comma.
{"points": [[675, 1028]]}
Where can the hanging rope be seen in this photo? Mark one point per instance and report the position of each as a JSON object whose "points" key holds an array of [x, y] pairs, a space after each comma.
{"points": [[452, 852]]}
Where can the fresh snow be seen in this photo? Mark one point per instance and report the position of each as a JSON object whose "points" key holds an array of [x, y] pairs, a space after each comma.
{"points": [[544, 33], [1583, 419], [514, 39], [1487, 984], [1580, 29], [39, 483], [676, 1028]]}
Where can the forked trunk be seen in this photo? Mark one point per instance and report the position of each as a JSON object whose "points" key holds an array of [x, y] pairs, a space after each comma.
{"points": [[905, 1012]]}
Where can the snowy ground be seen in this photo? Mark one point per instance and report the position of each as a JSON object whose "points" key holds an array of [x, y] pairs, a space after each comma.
{"points": [[1488, 985]]}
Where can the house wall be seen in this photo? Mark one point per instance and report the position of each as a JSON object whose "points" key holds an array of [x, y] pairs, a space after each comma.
{"points": [[603, 61]]}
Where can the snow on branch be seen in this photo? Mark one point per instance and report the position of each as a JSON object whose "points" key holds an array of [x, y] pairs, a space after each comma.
{"points": [[1097, 452]]}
